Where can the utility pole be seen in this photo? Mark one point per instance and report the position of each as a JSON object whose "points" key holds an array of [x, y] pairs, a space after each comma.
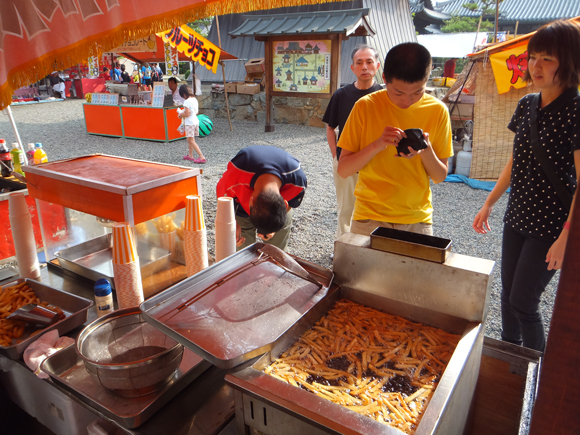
{"points": [[496, 20]]}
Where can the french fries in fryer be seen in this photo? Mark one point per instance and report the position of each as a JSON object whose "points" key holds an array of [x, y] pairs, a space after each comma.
{"points": [[373, 363]]}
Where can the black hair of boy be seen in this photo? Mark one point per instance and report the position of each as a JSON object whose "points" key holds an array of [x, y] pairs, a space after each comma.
{"points": [[185, 91], [560, 39], [408, 62], [268, 212], [172, 79]]}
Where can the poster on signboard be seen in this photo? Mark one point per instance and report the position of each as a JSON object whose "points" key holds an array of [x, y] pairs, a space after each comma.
{"points": [[171, 60], [301, 66], [146, 44], [94, 66]]}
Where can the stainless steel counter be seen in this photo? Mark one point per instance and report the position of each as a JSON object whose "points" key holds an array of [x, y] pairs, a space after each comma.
{"points": [[205, 407]]}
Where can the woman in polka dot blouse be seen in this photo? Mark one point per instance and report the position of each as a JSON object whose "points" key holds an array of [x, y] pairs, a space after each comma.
{"points": [[536, 222]]}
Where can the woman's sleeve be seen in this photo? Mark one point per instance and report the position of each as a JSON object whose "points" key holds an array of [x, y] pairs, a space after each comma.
{"points": [[513, 124]]}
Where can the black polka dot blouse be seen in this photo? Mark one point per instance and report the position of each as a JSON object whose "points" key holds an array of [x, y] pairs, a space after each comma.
{"points": [[534, 207]]}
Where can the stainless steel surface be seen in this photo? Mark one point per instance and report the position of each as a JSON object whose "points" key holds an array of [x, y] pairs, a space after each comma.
{"points": [[416, 289], [94, 259], [454, 390], [459, 287], [128, 356], [67, 369], [236, 309], [35, 315], [75, 308], [285, 261], [410, 244]]}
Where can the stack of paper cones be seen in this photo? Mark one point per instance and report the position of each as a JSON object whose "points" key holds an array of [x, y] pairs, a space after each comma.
{"points": [[195, 236], [225, 229], [23, 236], [126, 267]]}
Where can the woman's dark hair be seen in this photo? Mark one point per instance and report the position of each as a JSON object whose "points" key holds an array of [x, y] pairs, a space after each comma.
{"points": [[185, 91], [122, 67], [268, 213], [560, 39], [409, 62]]}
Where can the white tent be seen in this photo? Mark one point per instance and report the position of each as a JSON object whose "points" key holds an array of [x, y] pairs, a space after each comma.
{"points": [[452, 44]]}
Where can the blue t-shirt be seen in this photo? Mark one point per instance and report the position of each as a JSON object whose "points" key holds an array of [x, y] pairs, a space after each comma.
{"points": [[146, 72]]}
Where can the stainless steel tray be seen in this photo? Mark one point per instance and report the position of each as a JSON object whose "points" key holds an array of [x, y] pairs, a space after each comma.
{"points": [[75, 308], [293, 401], [67, 369], [410, 244], [236, 309], [94, 259]]}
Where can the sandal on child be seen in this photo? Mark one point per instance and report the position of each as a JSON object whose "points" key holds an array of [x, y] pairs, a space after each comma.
{"points": [[189, 158], [199, 161]]}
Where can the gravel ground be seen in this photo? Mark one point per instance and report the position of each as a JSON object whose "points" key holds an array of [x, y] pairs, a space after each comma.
{"points": [[60, 127]]}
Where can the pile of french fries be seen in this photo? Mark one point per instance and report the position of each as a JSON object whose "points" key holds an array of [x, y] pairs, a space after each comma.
{"points": [[373, 363], [12, 298], [165, 224]]}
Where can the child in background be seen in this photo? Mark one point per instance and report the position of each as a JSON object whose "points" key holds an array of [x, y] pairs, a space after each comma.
{"points": [[189, 114]]}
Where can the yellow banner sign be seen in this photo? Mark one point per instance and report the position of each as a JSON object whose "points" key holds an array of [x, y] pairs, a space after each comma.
{"points": [[509, 67], [148, 43], [193, 45], [171, 60]]}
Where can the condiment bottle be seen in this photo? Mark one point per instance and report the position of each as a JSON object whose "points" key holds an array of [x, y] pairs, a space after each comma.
{"points": [[17, 158], [103, 297], [39, 155], [6, 158], [30, 154]]}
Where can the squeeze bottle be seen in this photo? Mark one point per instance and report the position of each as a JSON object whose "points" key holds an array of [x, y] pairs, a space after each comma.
{"points": [[30, 154], [17, 158], [103, 297], [6, 158], [39, 155]]}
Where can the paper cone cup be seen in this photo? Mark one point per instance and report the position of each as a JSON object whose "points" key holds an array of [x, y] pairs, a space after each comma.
{"points": [[124, 251], [225, 210], [23, 236], [195, 251], [128, 284], [225, 240], [194, 214], [17, 206]]}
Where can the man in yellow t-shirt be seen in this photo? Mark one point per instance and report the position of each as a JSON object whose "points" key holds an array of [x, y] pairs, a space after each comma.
{"points": [[393, 189]]}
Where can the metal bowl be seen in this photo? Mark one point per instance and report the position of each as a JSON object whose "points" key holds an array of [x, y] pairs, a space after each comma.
{"points": [[126, 355]]}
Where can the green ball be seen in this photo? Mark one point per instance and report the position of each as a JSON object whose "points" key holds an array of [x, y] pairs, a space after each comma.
{"points": [[205, 125]]}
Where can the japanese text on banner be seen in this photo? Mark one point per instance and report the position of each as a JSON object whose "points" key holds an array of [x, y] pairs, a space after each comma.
{"points": [[509, 67], [193, 45]]}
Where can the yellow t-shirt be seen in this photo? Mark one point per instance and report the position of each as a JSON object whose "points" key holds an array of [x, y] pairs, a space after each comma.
{"points": [[394, 189]]}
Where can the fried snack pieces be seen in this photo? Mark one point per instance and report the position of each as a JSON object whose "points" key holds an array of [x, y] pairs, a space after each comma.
{"points": [[12, 298], [376, 364], [165, 224]]}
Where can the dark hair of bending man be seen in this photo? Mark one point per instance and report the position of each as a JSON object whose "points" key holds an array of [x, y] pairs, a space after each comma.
{"points": [[268, 212]]}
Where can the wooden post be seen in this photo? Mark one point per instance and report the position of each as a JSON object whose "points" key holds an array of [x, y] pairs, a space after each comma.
{"points": [[217, 23], [270, 127], [516, 31], [496, 21], [335, 62]]}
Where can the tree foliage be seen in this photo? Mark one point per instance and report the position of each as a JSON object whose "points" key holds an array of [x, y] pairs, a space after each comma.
{"points": [[201, 26], [459, 24]]}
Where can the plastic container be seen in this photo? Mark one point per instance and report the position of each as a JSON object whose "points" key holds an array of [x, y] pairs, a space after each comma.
{"points": [[463, 163], [39, 154], [30, 154], [6, 158], [17, 158], [450, 162], [103, 297]]}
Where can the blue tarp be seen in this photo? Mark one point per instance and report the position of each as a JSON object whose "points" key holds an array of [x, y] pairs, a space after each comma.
{"points": [[474, 184]]}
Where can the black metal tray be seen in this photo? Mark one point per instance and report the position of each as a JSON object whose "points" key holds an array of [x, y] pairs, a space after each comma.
{"points": [[414, 245]]}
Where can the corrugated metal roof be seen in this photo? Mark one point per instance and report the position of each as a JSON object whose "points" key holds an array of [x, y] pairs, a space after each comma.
{"points": [[306, 23], [391, 19], [519, 10]]}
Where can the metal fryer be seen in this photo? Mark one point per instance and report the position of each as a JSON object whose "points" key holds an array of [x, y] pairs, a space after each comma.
{"points": [[452, 296]]}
